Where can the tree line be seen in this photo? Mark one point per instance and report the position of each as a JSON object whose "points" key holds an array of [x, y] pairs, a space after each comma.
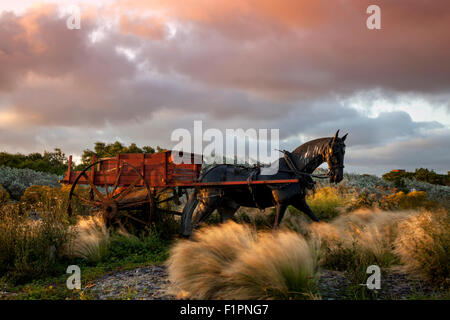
{"points": [[56, 162], [421, 174]]}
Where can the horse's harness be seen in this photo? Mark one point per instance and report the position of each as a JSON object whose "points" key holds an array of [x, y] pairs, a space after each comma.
{"points": [[299, 173], [293, 168]]}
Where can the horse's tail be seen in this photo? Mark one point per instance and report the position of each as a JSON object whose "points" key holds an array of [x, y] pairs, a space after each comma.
{"points": [[186, 217]]}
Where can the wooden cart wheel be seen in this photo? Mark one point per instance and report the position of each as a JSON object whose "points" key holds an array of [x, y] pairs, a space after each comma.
{"points": [[114, 198]]}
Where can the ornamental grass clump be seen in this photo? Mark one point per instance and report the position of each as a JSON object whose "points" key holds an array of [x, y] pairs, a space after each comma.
{"points": [[233, 261], [91, 239], [423, 245], [370, 233]]}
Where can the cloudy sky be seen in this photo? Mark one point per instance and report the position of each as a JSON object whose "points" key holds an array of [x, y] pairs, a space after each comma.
{"points": [[137, 70]]}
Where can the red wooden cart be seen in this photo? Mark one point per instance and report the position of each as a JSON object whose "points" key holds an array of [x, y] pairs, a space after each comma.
{"points": [[140, 182]]}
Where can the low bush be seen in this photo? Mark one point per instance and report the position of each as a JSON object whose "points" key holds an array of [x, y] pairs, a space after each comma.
{"points": [[326, 203], [137, 249], [37, 199], [405, 201], [4, 196], [30, 249], [16, 181]]}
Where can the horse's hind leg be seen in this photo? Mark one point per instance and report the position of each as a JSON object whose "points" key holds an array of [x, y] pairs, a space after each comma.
{"points": [[186, 217], [226, 212], [280, 210], [206, 207]]}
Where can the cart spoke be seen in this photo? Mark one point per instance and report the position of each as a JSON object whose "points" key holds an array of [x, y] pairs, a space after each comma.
{"points": [[133, 204], [106, 184], [165, 200], [95, 203], [116, 183], [136, 219], [128, 190], [98, 193]]}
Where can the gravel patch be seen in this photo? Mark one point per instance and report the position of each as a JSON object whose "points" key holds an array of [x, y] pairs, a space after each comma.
{"points": [[145, 283], [151, 283], [395, 285]]}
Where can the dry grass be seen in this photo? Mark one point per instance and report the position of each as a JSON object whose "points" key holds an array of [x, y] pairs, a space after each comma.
{"points": [[232, 261], [423, 246], [91, 239], [29, 249], [4, 196], [196, 266], [372, 230]]}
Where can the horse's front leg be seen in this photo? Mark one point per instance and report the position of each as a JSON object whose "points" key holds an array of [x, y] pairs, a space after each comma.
{"points": [[301, 205], [280, 210]]}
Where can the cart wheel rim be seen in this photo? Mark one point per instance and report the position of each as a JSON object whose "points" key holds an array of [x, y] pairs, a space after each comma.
{"points": [[109, 202]]}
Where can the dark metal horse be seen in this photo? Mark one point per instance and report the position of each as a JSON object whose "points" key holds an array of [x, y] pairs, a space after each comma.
{"points": [[300, 164]]}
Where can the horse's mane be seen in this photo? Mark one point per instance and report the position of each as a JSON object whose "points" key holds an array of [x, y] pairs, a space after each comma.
{"points": [[312, 147], [310, 150]]}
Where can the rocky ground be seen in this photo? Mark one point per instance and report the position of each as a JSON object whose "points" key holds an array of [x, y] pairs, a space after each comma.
{"points": [[146, 283], [395, 285], [150, 283]]}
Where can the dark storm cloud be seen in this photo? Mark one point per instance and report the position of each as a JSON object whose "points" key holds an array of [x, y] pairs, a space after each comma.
{"points": [[260, 64]]}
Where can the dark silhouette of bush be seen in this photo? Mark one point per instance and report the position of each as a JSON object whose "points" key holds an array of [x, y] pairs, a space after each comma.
{"points": [[103, 150], [421, 174]]}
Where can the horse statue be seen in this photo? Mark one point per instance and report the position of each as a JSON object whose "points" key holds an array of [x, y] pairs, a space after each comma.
{"points": [[300, 164]]}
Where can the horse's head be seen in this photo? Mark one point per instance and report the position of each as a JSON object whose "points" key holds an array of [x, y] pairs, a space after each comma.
{"points": [[334, 156]]}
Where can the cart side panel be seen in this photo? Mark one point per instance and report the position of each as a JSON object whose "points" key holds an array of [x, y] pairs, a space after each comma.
{"points": [[184, 173], [158, 169]]}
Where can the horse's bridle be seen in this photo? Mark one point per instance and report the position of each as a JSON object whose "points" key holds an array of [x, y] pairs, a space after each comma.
{"points": [[297, 172]]}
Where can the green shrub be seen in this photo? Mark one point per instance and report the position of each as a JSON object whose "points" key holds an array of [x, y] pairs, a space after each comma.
{"points": [[135, 249], [17, 180], [405, 201], [326, 203], [47, 199]]}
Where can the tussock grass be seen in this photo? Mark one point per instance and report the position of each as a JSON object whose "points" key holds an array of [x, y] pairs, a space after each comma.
{"points": [[356, 240], [423, 246], [233, 261], [196, 266], [370, 234], [91, 239]]}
